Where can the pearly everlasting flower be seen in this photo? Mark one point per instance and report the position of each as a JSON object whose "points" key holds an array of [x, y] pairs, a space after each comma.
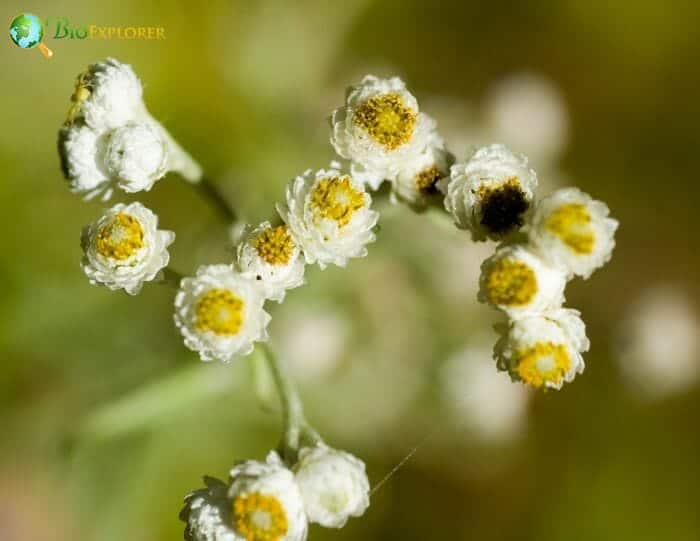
{"points": [[110, 140], [125, 248], [220, 313], [418, 179], [491, 192], [329, 216], [379, 128], [208, 513], [573, 231], [543, 351], [267, 502], [333, 485], [269, 255], [262, 502], [520, 283]]}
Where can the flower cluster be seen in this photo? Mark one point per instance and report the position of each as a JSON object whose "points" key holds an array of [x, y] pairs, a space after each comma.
{"points": [[109, 139], [271, 501], [327, 219], [544, 244]]}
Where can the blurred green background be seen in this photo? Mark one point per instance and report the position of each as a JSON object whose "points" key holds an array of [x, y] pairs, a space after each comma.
{"points": [[108, 421]]}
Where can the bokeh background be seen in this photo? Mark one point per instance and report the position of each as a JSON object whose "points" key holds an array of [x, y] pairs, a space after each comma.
{"points": [[108, 421]]}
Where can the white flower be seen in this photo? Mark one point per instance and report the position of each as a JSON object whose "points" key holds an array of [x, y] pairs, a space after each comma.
{"points": [[125, 248], [262, 502], [329, 216], [528, 113], [658, 342], [110, 140], [115, 93], [491, 192], [220, 313], [419, 178], [483, 400], [333, 485], [572, 230], [270, 256], [379, 128], [518, 282], [543, 350], [267, 502], [208, 513]]}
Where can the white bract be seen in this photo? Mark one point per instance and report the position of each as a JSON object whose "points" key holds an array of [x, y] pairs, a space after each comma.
{"points": [[543, 351], [573, 231], [379, 128], [270, 256], [333, 485], [490, 193], [220, 313], [329, 216], [125, 248], [520, 283], [110, 140], [261, 502], [420, 177]]}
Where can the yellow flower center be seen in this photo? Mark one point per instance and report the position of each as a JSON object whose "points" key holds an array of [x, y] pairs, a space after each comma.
{"points": [[544, 362], [259, 517], [219, 311], [426, 180], [121, 238], [387, 120], [511, 283], [571, 223], [275, 245], [336, 199]]}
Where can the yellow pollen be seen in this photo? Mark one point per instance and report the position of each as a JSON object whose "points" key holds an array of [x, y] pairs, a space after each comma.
{"points": [[219, 311], [336, 199], [572, 224], [387, 120], [511, 283], [542, 363], [275, 245], [121, 238], [426, 179], [259, 517]]}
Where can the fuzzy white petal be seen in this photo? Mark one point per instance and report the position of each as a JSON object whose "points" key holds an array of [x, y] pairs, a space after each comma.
{"points": [[333, 484], [272, 478], [323, 240], [562, 327], [207, 513], [573, 231], [535, 288], [209, 345], [273, 278], [489, 168], [143, 266], [372, 162]]}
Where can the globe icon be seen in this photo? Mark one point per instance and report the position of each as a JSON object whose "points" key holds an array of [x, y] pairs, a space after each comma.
{"points": [[27, 32]]}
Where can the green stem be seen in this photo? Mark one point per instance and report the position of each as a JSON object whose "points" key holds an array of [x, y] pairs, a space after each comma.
{"points": [[296, 431], [211, 192]]}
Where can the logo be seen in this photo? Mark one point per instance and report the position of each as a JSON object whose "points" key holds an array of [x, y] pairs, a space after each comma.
{"points": [[27, 31]]}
